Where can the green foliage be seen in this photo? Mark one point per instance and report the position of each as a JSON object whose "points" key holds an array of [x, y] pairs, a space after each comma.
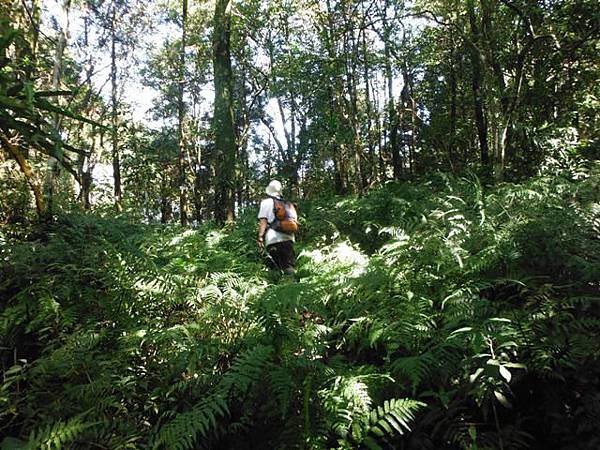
{"points": [[436, 313], [464, 318], [392, 418], [57, 435], [24, 109], [183, 430]]}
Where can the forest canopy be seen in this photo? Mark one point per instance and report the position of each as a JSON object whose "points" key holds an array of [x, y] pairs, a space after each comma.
{"points": [[443, 156], [180, 110]]}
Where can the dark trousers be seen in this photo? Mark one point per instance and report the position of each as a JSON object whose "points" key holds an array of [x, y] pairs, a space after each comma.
{"points": [[282, 256]]}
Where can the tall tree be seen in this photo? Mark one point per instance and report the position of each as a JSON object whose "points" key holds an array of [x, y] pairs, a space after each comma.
{"points": [[223, 125], [121, 23], [181, 117], [62, 36], [116, 163], [477, 83], [393, 121]]}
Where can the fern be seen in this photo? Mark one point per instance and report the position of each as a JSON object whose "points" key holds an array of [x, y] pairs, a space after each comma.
{"points": [[55, 436], [347, 402], [416, 368], [246, 371], [183, 431], [393, 417], [179, 339], [282, 385]]}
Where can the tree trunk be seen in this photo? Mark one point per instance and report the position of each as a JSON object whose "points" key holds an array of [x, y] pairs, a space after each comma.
{"points": [[368, 112], [353, 75], [199, 190], [16, 153], [293, 150], [453, 89], [500, 111], [33, 22], [392, 114], [181, 117], [336, 105], [225, 145], [166, 209], [242, 142], [116, 163], [53, 168], [478, 89], [85, 174], [86, 188]]}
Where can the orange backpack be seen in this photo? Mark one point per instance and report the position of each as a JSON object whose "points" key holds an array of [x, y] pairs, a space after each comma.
{"points": [[286, 217]]}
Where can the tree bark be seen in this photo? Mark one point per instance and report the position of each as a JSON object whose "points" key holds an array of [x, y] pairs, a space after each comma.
{"points": [[453, 94], [336, 106], [166, 209], [116, 163], [30, 52], [242, 140], [478, 88], [353, 75], [499, 112], [392, 114], [369, 108], [409, 105], [181, 117], [225, 142], [85, 174], [14, 150], [52, 166]]}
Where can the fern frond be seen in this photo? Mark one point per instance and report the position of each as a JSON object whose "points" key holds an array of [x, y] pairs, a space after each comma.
{"points": [[183, 431], [282, 385], [57, 435], [415, 368], [365, 333], [393, 417], [247, 369]]}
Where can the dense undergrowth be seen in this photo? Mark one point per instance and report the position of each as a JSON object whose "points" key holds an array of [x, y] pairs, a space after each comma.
{"points": [[433, 314]]}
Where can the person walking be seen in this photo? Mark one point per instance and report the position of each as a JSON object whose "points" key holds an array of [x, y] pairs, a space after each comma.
{"points": [[277, 225]]}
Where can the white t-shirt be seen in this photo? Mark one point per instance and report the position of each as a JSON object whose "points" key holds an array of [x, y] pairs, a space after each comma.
{"points": [[271, 236]]}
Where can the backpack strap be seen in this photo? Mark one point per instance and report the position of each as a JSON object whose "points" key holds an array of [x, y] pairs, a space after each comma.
{"points": [[275, 199]]}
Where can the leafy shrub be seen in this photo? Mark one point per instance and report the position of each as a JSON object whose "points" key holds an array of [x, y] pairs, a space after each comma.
{"points": [[438, 314]]}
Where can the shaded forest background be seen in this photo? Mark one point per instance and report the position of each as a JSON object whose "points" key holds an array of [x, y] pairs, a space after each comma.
{"points": [[330, 96], [444, 155]]}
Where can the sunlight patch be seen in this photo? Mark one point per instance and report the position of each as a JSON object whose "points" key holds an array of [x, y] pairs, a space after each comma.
{"points": [[345, 203], [214, 238], [177, 239], [342, 254]]}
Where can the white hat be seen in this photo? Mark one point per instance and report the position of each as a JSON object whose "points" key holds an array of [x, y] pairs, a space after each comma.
{"points": [[274, 188]]}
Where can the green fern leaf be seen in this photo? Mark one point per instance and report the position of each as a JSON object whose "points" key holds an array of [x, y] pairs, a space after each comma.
{"points": [[181, 433], [393, 417], [56, 435]]}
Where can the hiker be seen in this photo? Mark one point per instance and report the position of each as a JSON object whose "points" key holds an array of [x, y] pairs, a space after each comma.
{"points": [[276, 227]]}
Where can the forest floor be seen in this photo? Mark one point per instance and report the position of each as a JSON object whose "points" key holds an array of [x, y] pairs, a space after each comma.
{"points": [[467, 315]]}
